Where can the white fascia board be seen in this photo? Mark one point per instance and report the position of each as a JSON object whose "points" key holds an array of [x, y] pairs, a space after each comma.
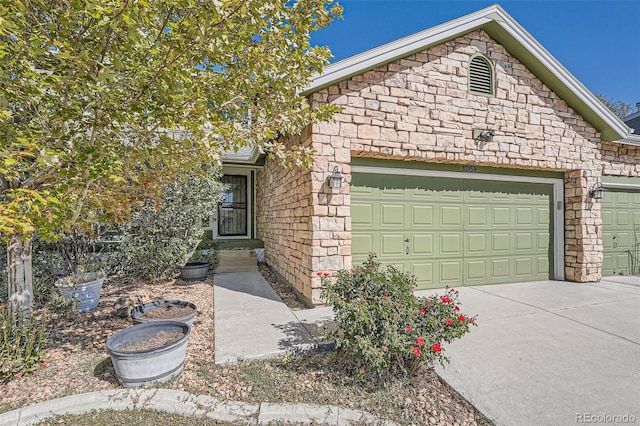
{"points": [[631, 139], [247, 155]]}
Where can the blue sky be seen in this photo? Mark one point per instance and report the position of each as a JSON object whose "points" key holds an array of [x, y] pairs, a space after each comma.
{"points": [[597, 41]]}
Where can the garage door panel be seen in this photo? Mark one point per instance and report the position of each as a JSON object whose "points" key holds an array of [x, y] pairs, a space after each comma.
{"points": [[524, 267], [476, 270], [524, 241], [362, 214], [391, 193], [543, 216], [607, 241], [500, 197], [450, 272], [450, 244], [422, 194], [524, 216], [500, 268], [476, 244], [524, 198], [363, 243], [621, 232], [477, 216], [622, 218], [423, 244], [451, 216], [500, 243], [543, 239], [543, 266], [422, 215], [392, 244], [456, 231], [392, 215], [478, 196], [501, 216], [423, 272]]}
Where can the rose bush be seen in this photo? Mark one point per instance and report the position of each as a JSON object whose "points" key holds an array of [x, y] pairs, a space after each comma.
{"points": [[382, 329]]}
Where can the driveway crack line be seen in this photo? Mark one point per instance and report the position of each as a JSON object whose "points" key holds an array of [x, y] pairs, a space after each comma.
{"points": [[561, 316]]}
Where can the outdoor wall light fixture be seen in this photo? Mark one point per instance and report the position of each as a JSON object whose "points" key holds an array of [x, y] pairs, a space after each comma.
{"points": [[597, 192], [482, 134], [335, 179]]}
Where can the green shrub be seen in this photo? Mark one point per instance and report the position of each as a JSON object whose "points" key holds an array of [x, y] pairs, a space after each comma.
{"points": [[22, 341], [160, 238], [382, 329]]}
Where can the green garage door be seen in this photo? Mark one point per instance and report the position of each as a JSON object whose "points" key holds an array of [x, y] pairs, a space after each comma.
{"points": [[621, 232], [453, 231]]}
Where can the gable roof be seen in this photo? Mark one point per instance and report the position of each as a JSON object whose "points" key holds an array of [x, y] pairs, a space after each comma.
{"points": [[516, 40]]}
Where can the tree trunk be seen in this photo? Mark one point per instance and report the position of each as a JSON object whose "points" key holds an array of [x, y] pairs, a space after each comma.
{"points": [[20, 273]]}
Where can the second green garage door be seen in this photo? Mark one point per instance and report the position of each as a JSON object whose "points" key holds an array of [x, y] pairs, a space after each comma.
{"points": [[621, 232], [453, 231]]}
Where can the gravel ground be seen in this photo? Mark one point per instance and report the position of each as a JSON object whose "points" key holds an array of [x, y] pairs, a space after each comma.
{"points": [[76, 361]]}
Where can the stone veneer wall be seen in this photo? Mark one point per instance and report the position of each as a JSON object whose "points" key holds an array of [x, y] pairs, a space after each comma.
{"points": [[283, 218], [419, 109]]}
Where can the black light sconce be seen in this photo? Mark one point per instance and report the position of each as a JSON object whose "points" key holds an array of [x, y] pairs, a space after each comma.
{"points": [[335, 179], [597, 192]]}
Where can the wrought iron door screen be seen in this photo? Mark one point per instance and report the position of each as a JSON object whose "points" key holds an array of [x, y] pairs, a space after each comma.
{"points": [[232, 211]]}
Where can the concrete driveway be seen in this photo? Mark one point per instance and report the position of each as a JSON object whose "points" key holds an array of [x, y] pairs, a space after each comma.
{"points": [[551, 353]]}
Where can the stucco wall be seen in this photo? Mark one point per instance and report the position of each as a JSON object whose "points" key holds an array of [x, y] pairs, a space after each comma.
{"points": [[419, 109]]}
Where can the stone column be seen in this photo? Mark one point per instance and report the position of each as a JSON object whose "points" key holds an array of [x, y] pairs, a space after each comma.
{"points": [[583, 227]]}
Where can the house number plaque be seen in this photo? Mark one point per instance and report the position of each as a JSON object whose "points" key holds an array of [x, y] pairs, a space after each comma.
{"points": [[468, 168]]}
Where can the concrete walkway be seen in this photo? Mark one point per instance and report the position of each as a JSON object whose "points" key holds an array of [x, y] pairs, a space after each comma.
{"points": [[251, 322], [551, 353]]}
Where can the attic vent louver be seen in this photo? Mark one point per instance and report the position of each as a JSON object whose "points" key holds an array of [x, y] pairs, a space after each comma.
{"points": [[480, 75]]}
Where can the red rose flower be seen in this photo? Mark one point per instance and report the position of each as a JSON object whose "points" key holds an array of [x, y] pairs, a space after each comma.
{"points": [[457, 308], [408, 328], [436, 347], [417, 351], [449, 322], [422, 311], [419, 341], [385, 294], [461, 317]]}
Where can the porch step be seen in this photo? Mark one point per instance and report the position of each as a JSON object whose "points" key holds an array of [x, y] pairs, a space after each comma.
{"points": [[236, 261]]}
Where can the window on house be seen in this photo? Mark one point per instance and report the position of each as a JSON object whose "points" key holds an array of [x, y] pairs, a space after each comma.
{"points": [[481, 75]]}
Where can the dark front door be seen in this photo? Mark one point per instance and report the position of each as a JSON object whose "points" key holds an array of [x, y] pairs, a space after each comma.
{"points": [[232, 211]]}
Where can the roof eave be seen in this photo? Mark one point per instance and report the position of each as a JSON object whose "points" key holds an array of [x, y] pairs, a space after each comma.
{"points": [[631, 139]]}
